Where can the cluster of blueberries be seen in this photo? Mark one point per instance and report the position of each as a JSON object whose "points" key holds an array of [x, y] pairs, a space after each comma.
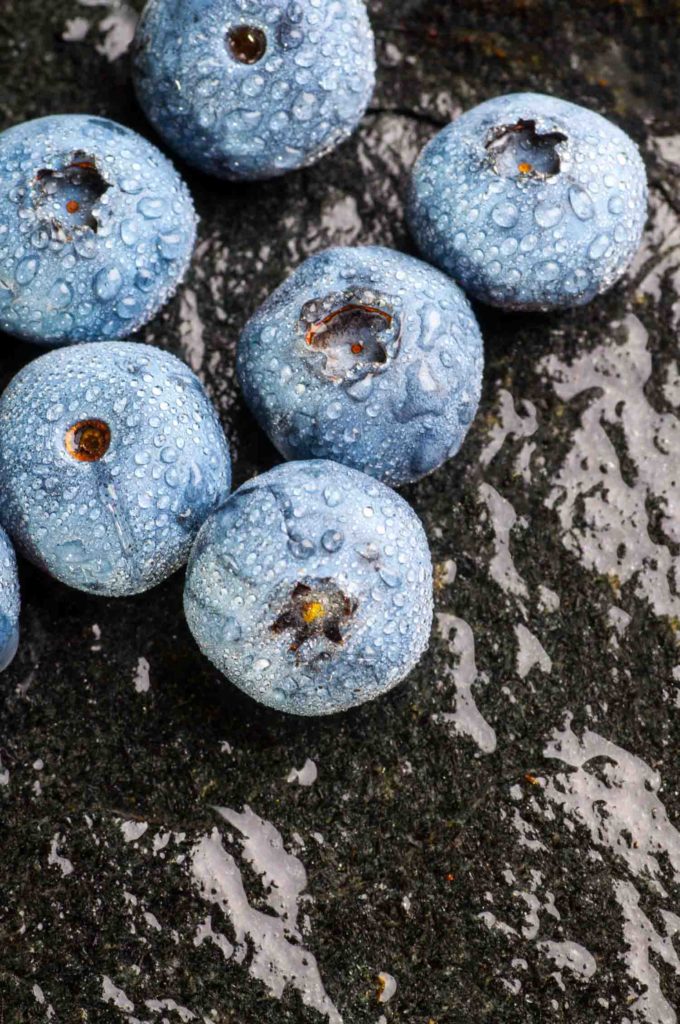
{"points": [[311, 586]]}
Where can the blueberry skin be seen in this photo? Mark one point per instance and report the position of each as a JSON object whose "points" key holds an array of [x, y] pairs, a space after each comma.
{"points": [[311, 589], [398, 408], [530, 202], [9, 602], [112, 514], [250, 105], [96, 230]]}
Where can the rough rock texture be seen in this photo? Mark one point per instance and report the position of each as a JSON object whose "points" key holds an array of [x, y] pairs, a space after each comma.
{"points": [[499, 837]]}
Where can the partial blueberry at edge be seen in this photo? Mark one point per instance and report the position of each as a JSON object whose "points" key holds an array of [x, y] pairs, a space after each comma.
{"points": [[247, 92], [530, 202], [10, 602], [367, 357], [96, 230], [311, 588], [111, 459]]}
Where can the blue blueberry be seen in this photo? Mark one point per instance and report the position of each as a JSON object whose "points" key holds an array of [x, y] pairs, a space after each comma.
{"points": [[248, 89], [311, 589], [530, 202], [111, 459], [96, 230], [367, 357], [9, 602]]}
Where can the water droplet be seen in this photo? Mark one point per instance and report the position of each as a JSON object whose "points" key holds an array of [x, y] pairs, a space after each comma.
{"points": [[301, 548], [85, 245], [390, 579], [548, 270], [132, 186], [581, 203], [360, 391], [231, 630], [26, 270], [129, 232], [547, 215], [332, 541], [152, 207], [332, 497], [108, 283], [505, 214], [599, 247], [61, 295]]}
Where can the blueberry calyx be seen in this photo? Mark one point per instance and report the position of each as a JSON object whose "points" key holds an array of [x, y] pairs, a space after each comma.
{"points": [[88, 440], [247, 44], [67, 196], [520, 150], [316, 609], [349, 337]]}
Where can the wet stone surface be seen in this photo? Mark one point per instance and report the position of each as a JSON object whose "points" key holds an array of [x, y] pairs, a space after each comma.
{"points": [[499, 839]]}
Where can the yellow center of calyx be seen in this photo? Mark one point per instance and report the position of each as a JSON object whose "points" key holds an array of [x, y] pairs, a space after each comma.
{"points": [[313, 610]]}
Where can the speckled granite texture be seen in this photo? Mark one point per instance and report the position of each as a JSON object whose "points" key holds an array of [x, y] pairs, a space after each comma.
{"points": [[497, 840]]}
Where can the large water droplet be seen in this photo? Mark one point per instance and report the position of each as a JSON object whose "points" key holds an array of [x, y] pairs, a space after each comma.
{"points": [[581, 203], [505, 215], [108, 283]]}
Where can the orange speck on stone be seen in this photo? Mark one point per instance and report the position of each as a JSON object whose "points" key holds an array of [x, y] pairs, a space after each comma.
{"points": [[357, 349], [531, 779], [450, 877], [524, 168], [72, 206]]}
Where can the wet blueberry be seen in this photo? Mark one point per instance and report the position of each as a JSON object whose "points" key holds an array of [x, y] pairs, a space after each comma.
{"points": [[96, 230], [530, 202], [311, 588], [247, 91], [367, 357], [111, 459], [9, 602]]}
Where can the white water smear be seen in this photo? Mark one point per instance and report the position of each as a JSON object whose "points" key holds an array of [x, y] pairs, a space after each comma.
{"points": [[191, 330], [158, 1005], [530, 653], [141, 677], [56, 859], [112, 994], [117, 28], [614, 795], [75, 30], [502, 567], [4, 775], [388, 987], [273, 942], [642, 940], [133, 830], [603, 505], [570, 956], [305, 776], [512, 423], [466, 718]]}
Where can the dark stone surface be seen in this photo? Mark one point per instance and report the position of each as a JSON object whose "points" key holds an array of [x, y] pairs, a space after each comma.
{"points": [[416, 824]]}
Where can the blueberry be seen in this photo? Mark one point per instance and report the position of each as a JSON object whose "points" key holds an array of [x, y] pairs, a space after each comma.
{"points": [[9, 602], [111, 459], [367, 357], [253, 90], [311, 589], [530, 202], [96, 230]]}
